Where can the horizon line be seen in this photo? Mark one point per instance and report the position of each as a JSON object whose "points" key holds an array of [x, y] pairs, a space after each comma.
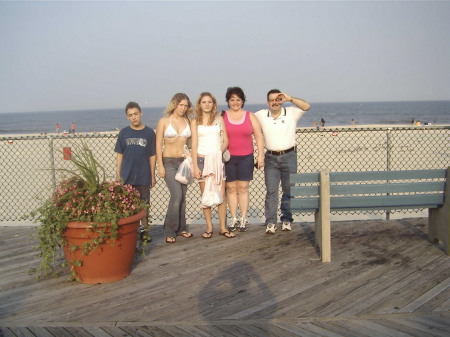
{"points": [[155, 107]]}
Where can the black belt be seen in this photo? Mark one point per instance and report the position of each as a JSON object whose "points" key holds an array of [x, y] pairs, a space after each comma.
{"points": [[277, 153]]}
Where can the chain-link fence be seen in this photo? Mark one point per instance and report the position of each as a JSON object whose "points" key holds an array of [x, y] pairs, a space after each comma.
{"points": [[28, 163]]}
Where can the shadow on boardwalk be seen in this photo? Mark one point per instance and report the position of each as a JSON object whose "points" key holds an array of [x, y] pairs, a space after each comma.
{"points": [[385, 279]]}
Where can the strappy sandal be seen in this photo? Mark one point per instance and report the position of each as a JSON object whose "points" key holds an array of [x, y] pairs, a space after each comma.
{"points": [[170, 239], [186, 234], [207, 235], [227, 234]]}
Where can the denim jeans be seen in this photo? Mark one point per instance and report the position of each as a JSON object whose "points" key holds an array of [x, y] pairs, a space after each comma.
{"points": [[175, 221], [276, 170]]}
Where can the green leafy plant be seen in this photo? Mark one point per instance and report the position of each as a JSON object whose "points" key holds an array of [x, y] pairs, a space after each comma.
{"points": [[84, 196]]}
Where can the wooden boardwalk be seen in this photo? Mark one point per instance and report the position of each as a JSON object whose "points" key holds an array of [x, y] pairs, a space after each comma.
{"points": [[385, 279]]}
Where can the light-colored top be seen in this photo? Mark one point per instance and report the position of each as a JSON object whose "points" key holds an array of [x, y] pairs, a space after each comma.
{"points": [[172, 133], [279, 133], [240, 142], [208, 139]]}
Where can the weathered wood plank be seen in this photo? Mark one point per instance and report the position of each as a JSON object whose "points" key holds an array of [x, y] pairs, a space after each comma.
{"points": [[112, 331], [399, 327], [422, 329], [368, 325], [59, 331], [99, 332], [336, 328], [425, 297], [41, 331], [145, 331], [296, 329]]}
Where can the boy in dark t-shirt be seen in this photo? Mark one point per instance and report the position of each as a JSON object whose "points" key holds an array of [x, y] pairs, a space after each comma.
{"points": [[136, 156]]}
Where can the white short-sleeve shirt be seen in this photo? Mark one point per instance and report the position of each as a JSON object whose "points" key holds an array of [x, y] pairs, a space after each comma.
{"points": [[279, 133]]}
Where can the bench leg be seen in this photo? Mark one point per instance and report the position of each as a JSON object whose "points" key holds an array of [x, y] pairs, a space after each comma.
{"points": [[324, 239], [439, 226], [439, 219]]}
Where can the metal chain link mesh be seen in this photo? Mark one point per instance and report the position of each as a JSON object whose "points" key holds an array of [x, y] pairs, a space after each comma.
{"points": [[28, 163]]}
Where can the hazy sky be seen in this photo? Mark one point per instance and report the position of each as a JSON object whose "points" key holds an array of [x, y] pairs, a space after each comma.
{"points": [[95, 55]]}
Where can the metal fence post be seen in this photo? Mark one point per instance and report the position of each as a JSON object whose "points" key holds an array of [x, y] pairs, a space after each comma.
{"points": [[388, 162], [52, 161]]}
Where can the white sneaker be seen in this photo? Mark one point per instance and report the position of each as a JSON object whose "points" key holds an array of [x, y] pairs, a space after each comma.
{"points": [[271, 228], [234, 224], [243, 225], [286, 226]]}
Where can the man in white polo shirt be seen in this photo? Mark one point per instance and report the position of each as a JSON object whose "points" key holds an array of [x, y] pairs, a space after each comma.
{"points": [[279, 126]]}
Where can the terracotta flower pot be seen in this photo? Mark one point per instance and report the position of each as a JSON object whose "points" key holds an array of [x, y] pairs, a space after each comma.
{"points": [[109, 262]]}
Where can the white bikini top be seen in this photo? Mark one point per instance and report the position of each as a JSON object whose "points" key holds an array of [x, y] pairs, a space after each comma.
{"points": [[172, 133]]}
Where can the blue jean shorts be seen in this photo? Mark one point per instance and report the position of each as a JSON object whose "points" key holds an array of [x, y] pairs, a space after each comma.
{"points": [[240, 168], [201, 166]]}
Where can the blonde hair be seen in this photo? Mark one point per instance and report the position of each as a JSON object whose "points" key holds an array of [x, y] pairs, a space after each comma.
{"points": [[198, 113], [173, 103]]}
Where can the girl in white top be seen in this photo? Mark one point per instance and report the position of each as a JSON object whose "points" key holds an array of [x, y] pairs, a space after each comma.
{"points": [[207, 138], [172, 134]]}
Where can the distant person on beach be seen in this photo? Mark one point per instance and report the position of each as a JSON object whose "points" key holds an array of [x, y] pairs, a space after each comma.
{"points": [[352, 122], [279, 130], [322, 122], [72, 128], [135, 157], [172, 134], [240, 126], [209, 140], [57, 128]]}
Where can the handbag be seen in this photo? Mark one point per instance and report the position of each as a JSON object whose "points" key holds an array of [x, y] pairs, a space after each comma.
{"points": [[226, 156]]}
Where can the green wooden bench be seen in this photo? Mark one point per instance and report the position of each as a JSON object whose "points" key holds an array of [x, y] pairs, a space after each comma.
{"points": [[325, 192]]}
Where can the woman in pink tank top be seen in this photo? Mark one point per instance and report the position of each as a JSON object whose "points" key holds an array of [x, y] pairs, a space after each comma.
{"points": [[241, 127]]}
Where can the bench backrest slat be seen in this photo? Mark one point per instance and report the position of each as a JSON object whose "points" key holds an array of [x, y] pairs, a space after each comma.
{"points": [[304, 178], [381, 202], [386, 175], [305, 204], [430, 186], [387, 200], [304, 191]]}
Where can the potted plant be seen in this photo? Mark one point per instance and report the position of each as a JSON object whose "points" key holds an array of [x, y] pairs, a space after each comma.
{"points": [[94, 221]]}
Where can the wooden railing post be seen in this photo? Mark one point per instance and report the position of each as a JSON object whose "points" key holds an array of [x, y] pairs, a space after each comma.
{"points": [[324, 217], [439, 219]]}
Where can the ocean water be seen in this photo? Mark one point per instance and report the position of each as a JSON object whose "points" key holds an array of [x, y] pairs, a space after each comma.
{"points": [[334, 114]]}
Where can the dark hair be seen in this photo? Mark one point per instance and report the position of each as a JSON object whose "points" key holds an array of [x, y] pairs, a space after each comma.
{"points": [[132, 105], [235, 91], [273, 91]]}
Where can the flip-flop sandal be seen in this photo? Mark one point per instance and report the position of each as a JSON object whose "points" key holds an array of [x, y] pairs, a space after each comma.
{"points": [[227, 234], [207, 235], [186, 234], [170, 239]]}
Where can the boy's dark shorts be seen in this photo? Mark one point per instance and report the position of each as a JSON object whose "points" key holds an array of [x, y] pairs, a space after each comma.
{"points": [[144, 192]]}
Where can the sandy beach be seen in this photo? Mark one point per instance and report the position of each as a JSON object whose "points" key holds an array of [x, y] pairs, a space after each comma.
{"points": [[28, 160]]}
